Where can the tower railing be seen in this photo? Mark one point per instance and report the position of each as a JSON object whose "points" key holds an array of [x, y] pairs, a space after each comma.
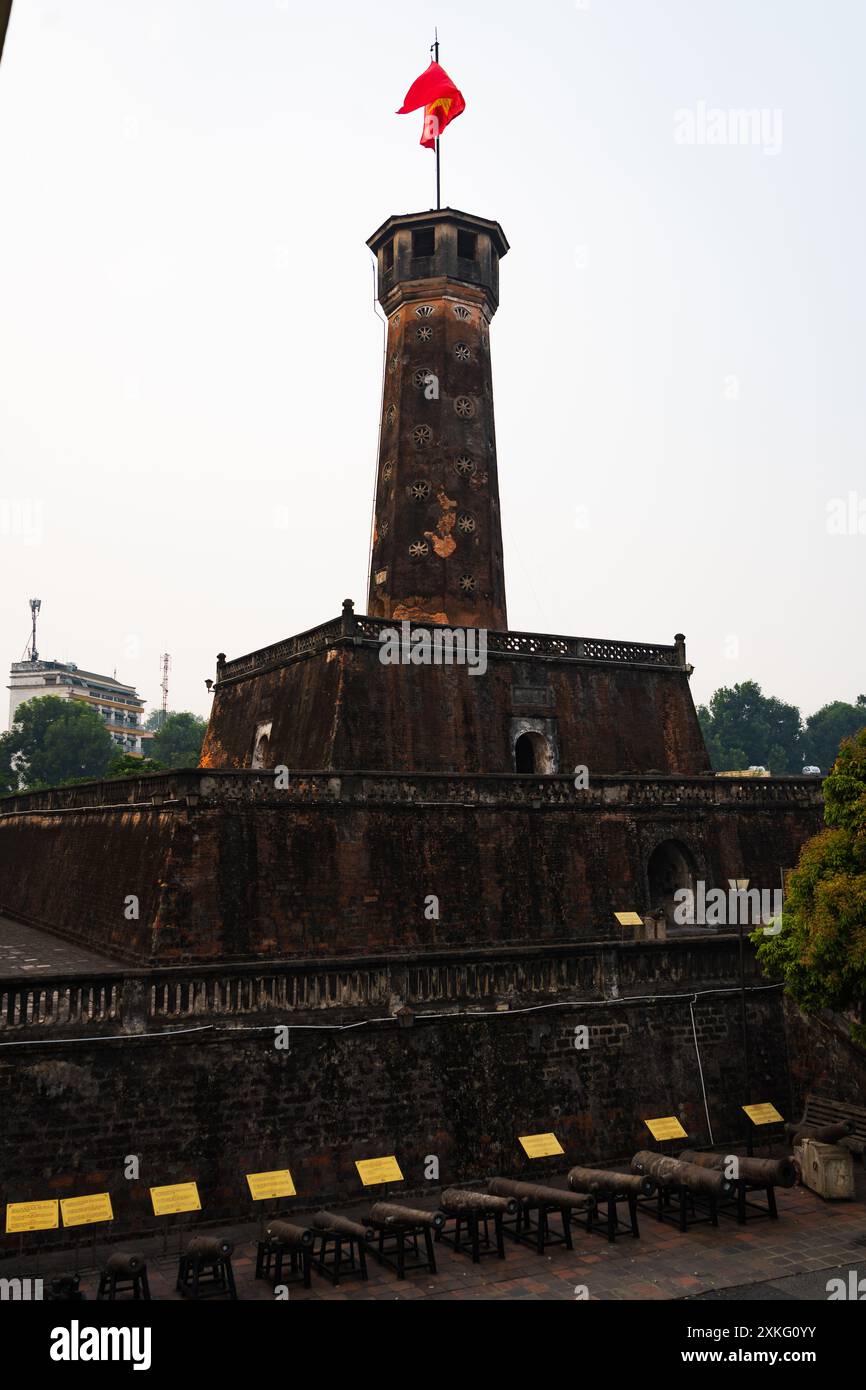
{"points": [[354, 627]]}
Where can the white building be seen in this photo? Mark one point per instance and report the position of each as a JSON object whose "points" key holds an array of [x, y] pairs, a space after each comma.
{"points": [[119, 705]]}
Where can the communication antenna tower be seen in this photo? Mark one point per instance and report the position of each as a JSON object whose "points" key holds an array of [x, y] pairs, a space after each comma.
{"points": [[165, 665], [35, 605]]}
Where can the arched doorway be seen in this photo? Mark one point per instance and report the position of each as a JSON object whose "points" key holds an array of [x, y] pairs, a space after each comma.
{"points": [[671, 869], [260, 754], [532, 753], [262, 746]]}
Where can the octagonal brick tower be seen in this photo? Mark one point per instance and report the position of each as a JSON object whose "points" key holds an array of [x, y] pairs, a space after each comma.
{"points": [[437, 541]]}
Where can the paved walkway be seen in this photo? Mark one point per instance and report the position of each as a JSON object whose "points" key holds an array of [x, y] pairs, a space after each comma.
{"points": [[790, 1258], [29, 951]]}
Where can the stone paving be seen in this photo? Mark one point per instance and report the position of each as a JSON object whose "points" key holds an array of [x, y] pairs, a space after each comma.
{"points": [[28, 951], [755, 1260]]}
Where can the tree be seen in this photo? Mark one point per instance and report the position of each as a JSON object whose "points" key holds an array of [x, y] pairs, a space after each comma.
{"points": [[827, 727], [178, 743], [820, 951], [53, 741], [126, 765], [745, 728], [8, 775]]}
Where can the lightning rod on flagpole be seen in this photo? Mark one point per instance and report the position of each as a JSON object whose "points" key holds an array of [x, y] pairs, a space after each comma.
{"points": [[434, 49]]}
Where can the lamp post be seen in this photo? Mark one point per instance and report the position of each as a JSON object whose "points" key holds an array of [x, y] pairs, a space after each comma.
{"points": [[740, 885]]}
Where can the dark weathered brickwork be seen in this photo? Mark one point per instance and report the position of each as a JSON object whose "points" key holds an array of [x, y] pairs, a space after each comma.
{"points": [[341, 707], [823, 1059], [215, 1105], [437, 542], [229, 867]]}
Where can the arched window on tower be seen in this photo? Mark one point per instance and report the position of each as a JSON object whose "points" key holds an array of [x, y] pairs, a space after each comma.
{"points": [[532, 753], [261, 746]]}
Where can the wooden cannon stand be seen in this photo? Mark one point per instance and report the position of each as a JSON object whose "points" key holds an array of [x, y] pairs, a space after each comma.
{"points": [[402, 1240], [609, 1223], [683, 1207]]}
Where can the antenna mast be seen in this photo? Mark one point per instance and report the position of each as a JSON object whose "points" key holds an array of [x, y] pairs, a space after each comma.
{"points": [[165, 664], [35, 605]]}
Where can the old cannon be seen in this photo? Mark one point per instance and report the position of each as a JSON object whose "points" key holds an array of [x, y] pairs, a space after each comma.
{"points": [[686, 1191], [457, 1200], [761, 1172], [470, 1211], [609, 1188], [332, 1221], [749, 1175], [205, 1268], [545, 1202], [822, 1134], [673, 1172], [124, 1272], [602, 1180], [399, 1231], [532, 1193], [342, 1245], [285, 1242]]}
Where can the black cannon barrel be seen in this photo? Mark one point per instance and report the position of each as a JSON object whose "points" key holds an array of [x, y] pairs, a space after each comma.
{"points": [[342, 1225], [776, 1172], [392, 1214], [822, 1134], [123, 1263], [606, 1181], [672, 1172], [456, 1200], [209, 1247], [531, 1193], [287, 1233]]}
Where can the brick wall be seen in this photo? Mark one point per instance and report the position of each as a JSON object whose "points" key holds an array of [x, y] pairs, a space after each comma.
{"points": [[462, 1089], [228, 867], [823, 1059], [342, 708]]}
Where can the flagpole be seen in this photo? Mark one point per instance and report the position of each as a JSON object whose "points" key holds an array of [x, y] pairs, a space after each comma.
{"points": [[435, 51]]}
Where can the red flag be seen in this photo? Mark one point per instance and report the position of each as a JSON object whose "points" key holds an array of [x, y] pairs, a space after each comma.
{"points": [[441, 100]]}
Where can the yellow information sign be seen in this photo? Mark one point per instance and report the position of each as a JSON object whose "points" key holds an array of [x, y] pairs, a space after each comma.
{"points": [[373, 1170], [276, 1184], [32, 1216], [83, 1211], [177, 1196], [629, 919], [668, 1127], [540, 1145], [763, 1114]]}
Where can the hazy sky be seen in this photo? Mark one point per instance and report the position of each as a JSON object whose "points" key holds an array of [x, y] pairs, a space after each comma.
{"points": [[190, 361]]}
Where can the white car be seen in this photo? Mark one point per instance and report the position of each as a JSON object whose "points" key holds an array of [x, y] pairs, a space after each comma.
{"points": [[811, 771]]}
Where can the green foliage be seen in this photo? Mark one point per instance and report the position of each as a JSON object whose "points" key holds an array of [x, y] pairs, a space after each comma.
{"points": [[820, 952], [826, 729], [745, 728], [54, 741], [178, 743], [8, 775], [126, 765]]}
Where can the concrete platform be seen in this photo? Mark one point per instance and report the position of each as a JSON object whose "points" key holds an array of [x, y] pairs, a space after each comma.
{"points": [[29, 951]]}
